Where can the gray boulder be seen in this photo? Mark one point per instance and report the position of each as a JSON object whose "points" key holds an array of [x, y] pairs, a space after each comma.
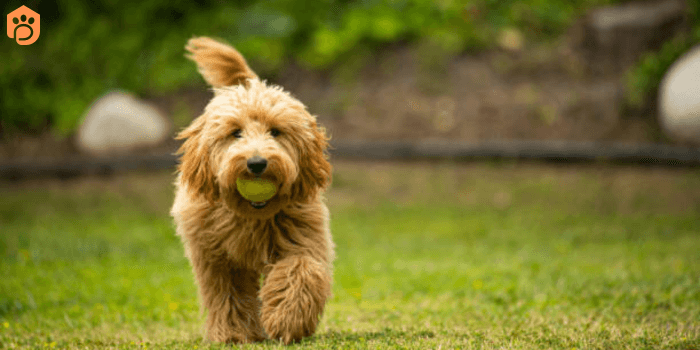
{"points": [[679, 99], [119, 122]]}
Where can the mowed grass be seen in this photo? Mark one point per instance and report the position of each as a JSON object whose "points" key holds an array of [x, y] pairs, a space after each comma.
{"points": [[430, 255]]}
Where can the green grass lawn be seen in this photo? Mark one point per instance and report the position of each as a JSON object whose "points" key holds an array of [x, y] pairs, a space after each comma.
{"points": [[480, 256]]}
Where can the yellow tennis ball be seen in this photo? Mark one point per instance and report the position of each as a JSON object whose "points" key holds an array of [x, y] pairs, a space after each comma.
{"points": [[258, 190]]}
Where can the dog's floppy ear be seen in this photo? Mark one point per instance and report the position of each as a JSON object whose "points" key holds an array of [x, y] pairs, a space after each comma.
{"points": [[314, 168], [220, 64], [195, 164]]}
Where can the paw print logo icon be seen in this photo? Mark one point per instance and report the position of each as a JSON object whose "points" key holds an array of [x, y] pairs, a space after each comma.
{"points": [[23, 25]]}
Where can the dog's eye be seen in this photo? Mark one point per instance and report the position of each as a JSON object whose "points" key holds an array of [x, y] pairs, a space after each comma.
{"points": [[238, 133], [275, 132]]}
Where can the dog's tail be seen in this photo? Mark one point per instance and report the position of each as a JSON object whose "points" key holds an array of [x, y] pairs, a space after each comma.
{"points": [[220, 64]]}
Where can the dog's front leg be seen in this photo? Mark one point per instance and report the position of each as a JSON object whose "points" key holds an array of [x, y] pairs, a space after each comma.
{"points": [[293, 297], [230, 296]]}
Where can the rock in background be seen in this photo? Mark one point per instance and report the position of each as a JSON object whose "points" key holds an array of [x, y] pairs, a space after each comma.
{"points": [[119, 122], [679, 99]]}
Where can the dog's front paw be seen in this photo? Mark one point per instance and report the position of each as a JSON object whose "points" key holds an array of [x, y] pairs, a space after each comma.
{"points": [[293, 297]]}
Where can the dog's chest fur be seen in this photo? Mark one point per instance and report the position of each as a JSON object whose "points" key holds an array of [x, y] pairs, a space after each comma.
{"points": [[245, 243], [230, 239], [248, 243]]}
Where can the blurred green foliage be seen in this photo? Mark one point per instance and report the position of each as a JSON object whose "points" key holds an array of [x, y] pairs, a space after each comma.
{"points": [[87, 48], [643, 79]]}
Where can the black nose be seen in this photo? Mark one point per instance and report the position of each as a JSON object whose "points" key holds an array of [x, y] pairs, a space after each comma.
{"points": [[257, 165]]}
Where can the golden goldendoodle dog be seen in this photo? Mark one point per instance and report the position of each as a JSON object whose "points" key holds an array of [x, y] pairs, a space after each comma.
{"points": [[263, 268]]}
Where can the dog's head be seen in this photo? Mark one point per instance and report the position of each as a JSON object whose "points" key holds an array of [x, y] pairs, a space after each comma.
{"points": [[250, 130]]}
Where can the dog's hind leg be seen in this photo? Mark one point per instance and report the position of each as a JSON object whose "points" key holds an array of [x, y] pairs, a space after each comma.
{"points": [[293, 297]]}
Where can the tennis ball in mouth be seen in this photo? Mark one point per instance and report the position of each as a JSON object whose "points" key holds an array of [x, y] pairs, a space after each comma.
{"points": [[256, 190]]}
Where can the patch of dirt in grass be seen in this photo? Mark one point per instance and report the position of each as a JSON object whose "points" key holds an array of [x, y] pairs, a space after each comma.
{"points": [[597, 189], [151, 191]]}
